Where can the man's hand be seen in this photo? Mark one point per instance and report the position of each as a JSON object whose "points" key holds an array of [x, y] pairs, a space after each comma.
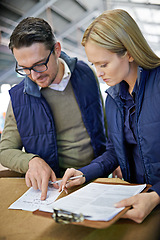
{"points": [[142, 204], [38, 175], [71, 172]]}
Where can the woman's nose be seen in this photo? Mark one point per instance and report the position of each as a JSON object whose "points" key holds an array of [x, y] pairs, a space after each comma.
{"points": [[100, 73]]}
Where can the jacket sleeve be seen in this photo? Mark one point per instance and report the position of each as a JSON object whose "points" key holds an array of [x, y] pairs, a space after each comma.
{"points": [[156, 188], [11, 154], [102, 166]]}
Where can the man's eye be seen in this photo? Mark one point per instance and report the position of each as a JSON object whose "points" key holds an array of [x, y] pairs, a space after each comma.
{"points": [[103, 65]]}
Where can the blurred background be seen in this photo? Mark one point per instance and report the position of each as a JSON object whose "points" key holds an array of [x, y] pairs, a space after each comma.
{"points": [[69, 19]]}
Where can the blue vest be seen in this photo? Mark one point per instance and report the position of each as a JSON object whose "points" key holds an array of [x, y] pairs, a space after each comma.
{"points": [[35, 121]]}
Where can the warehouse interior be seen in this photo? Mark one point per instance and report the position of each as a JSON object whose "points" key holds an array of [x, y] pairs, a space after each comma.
{"points": [[48, 133], [69, 19]]}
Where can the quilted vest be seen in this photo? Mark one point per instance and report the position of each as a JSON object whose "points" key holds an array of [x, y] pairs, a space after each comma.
{"points": [[35, 121]]}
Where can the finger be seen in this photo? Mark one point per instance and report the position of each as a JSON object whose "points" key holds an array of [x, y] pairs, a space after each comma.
{"points": [[39, 183], [55, 185], [44, 188], [34, 183], [70, 172], [129, 214], [66, 183], [132, 212], [53, 179], [113, 174], [134, 215], [31, 181], [28, 181], [53, 176], [125, 203], [65, 189], [75, 182], [119, 174]]}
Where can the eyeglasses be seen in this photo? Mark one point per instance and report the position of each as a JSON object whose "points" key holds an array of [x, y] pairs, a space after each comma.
{"points": [[42, 67]]}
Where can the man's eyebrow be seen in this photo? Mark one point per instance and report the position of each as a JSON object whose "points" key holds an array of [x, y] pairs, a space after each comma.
{"points": [[42, 60]]}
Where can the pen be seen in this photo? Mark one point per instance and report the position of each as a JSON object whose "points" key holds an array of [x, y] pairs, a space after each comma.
{"points": [[72, 178]]}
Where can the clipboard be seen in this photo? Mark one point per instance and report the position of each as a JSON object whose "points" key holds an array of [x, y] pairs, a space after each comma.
{"points": [[65, 217]]}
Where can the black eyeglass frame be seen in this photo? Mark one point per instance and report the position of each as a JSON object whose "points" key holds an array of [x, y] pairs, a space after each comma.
{"points": [[32, 68]]}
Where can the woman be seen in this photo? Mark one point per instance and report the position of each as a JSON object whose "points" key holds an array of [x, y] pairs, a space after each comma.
{"points": [[116, 47]]}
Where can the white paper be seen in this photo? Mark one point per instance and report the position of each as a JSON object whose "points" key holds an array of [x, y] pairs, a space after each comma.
{"points": [[31, 200], [96, 201]]}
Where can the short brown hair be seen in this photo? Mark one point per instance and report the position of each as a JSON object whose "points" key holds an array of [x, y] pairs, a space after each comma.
{"points": [[31, 30]]}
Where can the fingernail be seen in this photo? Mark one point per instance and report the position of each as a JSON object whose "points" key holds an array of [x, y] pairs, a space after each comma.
{"points": [[66, 191], [62, 188]]}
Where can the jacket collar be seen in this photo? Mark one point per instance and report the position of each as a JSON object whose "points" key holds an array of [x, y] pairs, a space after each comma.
{"points": [[141, 81], [71, 62], [114, 91], [33, 89]]}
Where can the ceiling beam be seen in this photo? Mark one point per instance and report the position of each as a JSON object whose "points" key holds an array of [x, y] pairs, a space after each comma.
{"points": [[12, 8], [61, 13], [8, 21], [81, 5], [135, 4], [38, 8], [77, 24]]}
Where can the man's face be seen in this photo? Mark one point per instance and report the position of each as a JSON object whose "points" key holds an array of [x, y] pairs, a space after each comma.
{"points": [[36, 54]]}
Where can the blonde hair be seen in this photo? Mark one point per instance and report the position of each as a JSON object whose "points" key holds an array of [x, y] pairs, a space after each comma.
{"points": [[117, 31]]}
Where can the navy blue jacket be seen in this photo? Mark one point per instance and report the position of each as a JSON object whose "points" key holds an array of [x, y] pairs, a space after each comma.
{"points": [[147, 114], [35, 121]]}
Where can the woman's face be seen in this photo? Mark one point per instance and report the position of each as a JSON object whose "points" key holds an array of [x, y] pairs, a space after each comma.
{"points": [[109, 66]]}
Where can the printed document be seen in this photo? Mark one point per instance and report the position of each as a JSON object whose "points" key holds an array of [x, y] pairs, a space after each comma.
{"points": [[96, 201], [31, 200]]}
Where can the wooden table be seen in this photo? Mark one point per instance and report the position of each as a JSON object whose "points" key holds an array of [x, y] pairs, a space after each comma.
{"points": [[23, 225]]}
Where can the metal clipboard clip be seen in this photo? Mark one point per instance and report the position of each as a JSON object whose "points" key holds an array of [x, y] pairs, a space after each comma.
{"points": [[62, 216]]}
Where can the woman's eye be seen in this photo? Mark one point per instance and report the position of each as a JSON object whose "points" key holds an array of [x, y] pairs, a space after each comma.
{"points": [[103, 65]]}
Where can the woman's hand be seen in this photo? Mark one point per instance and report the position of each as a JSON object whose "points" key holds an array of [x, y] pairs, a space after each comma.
{"points": [[71, 172], [117, 173], [142, 204]]}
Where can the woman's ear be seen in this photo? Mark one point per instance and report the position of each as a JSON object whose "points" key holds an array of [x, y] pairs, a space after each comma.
{"points": [[130, 58], [57, 49]]}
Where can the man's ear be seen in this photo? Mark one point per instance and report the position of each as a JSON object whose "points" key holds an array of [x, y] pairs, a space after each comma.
{"points": [[57, 49]]}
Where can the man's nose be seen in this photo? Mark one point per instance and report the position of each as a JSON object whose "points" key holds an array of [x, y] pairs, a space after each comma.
{"points": [[35, 74]]}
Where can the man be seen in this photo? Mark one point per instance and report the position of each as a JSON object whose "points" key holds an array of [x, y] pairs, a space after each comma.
{"points": [[55, 114]]}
